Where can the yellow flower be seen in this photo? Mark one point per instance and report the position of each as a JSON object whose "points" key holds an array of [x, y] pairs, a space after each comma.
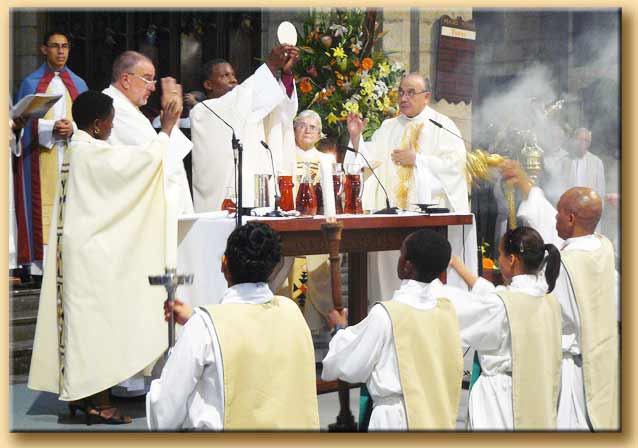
{"points": [[352, 107], [332, 118], [384, 69], [344, 113], [338, 52]]}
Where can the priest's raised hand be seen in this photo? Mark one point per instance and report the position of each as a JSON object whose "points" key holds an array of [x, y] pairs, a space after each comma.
{"points": [[172, 104], [282, 56]]}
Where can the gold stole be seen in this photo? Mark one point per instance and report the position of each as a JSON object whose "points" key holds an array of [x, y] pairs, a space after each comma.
{"points": [[269, 366], [591, 274], [535, 326], [428, 347], [405, 186], [49, 168]]}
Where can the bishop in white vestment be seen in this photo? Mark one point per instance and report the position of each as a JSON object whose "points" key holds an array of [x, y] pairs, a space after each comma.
{"points": [[418, 163]]}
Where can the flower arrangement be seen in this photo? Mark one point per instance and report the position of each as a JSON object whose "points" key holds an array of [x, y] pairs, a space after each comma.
{"points": [[340, 71]]}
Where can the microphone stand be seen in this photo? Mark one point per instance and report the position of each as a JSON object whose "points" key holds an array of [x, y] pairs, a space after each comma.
{"points": [[385, 211], [275, 211], [238, 150]]}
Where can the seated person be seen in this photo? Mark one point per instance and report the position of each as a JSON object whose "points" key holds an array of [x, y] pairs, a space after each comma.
{"points": [[407, 350], [244, 364]]}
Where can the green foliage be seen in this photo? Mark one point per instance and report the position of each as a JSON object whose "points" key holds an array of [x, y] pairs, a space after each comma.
{"points": [[335, 75]]}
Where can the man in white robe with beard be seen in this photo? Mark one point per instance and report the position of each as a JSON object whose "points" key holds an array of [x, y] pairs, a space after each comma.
{"points": [[590, 303], [259, 109], [418, 163], [132, 83]]}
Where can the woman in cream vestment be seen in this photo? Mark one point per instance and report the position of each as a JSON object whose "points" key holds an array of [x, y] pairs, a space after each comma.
{"points": [[108, 236]]}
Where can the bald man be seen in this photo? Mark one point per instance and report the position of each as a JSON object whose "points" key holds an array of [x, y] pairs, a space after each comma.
{"points": [[133, 81], [587, 289], [418, 163]]}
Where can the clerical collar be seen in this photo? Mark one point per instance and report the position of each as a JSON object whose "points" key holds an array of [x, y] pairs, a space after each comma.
{"points": [[418, 117]]}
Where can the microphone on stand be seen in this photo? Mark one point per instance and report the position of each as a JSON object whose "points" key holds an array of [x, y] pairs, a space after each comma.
{"points": [[238, 150], [275, 211], [385, 211], [436, 123]]}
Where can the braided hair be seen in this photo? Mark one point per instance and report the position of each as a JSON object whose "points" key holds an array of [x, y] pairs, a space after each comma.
{"points": [[528, 246], [252, 252]]}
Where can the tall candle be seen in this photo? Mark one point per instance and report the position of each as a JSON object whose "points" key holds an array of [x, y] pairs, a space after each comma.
{"points": [[171, 226], [327, 188]]}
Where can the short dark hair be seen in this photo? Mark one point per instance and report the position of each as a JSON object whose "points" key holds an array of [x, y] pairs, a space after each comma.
{"points": [[90, 106], [252, 252], [47, 36], [429, 252], [207, 69]]}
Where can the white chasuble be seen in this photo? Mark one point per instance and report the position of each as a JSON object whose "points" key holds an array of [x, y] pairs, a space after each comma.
{"points": [[131, 127], [438, 177], [258, 110], [112, 237]]}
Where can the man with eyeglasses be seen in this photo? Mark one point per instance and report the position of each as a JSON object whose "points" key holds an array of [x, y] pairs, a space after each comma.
{"points": [[132, 83], [44, 142], [419, 163], [259, 109]]}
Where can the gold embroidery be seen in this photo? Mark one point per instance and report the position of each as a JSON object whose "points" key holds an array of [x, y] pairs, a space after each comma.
{"points": [[405, 174]]}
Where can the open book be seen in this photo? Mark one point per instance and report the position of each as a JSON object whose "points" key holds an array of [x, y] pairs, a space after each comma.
{"points": [[34, 106]]}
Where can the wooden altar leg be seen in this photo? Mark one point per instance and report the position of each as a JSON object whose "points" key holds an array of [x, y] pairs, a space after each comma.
{"points": [[357, 310]]}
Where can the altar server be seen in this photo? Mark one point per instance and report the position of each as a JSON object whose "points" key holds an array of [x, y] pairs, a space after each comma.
{"points": [[518, 346], [44, 142], [408, 349], [244, 364], [588, 292]]}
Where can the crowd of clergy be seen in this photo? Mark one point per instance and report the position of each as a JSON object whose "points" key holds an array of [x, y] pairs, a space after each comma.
{"points": [[96, 187]]}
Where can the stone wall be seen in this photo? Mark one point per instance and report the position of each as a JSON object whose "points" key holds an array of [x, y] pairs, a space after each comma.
{"points": [[24, 50]]}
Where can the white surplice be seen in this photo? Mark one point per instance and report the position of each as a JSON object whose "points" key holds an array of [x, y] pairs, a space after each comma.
{"points": [[365, 353], [131, 127], [113, 237], [258, 109], [485, 327], [439, 176], [190, 392], [537, 212]]}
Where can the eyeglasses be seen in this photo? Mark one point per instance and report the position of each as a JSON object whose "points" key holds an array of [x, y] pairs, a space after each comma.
{"points": [[58, 46], [148, 82], [309, 127], [410, 92]]}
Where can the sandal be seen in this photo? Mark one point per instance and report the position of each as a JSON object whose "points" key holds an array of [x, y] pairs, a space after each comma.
{"points": [[114, 419], [94, 413]]}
